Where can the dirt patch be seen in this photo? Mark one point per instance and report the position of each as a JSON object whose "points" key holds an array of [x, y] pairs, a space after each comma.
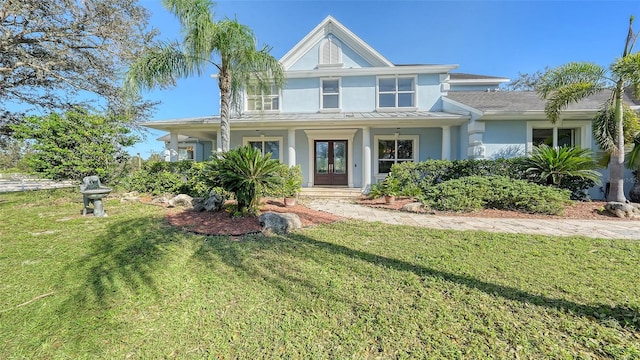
{"points": [[587, 210], [223, 223]]}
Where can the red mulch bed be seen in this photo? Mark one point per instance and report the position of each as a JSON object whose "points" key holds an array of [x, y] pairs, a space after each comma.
{"points": [[222, 223], [580, 210]]}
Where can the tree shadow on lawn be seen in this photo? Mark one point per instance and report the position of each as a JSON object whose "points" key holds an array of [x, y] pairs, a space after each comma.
{"points": [[239, 255], [125, 258]]}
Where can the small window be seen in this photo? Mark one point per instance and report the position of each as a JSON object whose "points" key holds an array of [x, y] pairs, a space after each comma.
{"points": [[259, 100], [330, 94], [396, 92]]}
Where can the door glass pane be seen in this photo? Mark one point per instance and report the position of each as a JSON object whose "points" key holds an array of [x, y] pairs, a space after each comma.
{"points": [[322, 157], [339, 157], [405, 149], [272, 147]]}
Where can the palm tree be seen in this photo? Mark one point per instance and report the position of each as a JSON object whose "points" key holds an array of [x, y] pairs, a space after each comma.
{"points": [[552, 165], [575, 81], [227, 45]]}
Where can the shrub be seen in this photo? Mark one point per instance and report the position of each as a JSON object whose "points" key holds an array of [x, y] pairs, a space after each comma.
{"points": [[248, 174], [499, 192], [160, 177]]}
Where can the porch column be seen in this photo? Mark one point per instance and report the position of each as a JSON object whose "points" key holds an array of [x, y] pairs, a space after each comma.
{"points": [[366, 158], [291, 143], [446, 143], [219, 141], [173, 147]]}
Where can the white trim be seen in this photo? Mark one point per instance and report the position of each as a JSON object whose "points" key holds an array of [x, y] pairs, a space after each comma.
{"points": [[277, 94], [321, 50], [339, 108], [396, 136], [279, 139], [340, 134], [383, 71], [584, 126], [414, 106], [331, 25]]}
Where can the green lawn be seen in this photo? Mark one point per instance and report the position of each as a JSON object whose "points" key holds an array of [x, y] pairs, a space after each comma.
{"points": [[129, 286]]}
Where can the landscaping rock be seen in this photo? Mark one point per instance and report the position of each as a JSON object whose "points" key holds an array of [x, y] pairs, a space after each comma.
{"points": [[623, 210], [214, 202], [279, 223], [198, 204], [164, 199], [414, 207], [181, 200], [133, 196]]}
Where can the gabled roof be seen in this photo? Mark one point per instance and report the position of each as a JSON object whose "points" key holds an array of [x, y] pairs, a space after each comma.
{"points": [[475, 79], [331, 25]]}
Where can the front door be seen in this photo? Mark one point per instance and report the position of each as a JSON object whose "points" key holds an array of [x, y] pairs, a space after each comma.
{"points": [[331, 162]]}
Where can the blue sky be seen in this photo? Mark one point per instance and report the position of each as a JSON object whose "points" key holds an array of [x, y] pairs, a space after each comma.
{"points": [[499, 38]]}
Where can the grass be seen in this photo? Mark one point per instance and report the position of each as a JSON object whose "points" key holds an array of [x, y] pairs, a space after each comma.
{"points": [[129, 286]]}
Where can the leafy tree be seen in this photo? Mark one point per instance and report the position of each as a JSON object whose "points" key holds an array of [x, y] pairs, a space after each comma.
{"points": [[12, 154], [526, 81], [227, 45], [575, 81], [76, 144], [248, 174], [51, 52], [552, 165]]}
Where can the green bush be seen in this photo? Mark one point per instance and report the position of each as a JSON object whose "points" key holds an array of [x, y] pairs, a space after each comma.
{"points": [[160, 177], [497, 192]]}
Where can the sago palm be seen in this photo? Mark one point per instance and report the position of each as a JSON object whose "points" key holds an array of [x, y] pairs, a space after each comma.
{"points": [[552, 165], [575, 81], [248, 174], [227, 45]]}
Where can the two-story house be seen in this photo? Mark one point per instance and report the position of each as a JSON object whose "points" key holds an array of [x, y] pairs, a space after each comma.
{"points": [[347, 114]]}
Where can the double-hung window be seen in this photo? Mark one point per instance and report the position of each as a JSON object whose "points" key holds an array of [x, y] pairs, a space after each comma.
{"points": [[393, 150], [330, 98], [396, 92], [262, 99]]}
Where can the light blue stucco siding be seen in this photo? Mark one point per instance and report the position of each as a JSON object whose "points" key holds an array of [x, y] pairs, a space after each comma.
{"points": [[505, 139], [205, 150], [308, 61], [358, 93], [301, 95], [428, 92], [351, 59]]}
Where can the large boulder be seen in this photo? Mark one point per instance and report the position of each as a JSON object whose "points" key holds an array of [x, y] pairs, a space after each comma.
{"points": [[414, 207], [623, 210], [214, 202], [279, 223], [181, 200]]}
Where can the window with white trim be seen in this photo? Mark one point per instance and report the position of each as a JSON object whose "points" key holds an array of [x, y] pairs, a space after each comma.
{"points": [[396, 92], [394, 149], [260, 100], [560, 137], [330, 98], [266, 144]]}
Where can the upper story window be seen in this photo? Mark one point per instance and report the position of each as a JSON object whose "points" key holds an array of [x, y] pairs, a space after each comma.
{"points": [[330, 52], [330, 94], [260, 100], [396, 92]]}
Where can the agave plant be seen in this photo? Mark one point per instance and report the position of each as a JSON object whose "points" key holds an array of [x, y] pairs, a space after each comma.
{"points": [[248, 174], [552, 165]]}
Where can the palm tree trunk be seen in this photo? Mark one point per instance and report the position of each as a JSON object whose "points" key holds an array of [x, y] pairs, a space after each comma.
{"points": [[616, 167], [224, 83]]}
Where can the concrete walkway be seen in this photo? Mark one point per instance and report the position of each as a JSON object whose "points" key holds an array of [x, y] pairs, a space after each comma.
{"points": [[607, 229]]}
